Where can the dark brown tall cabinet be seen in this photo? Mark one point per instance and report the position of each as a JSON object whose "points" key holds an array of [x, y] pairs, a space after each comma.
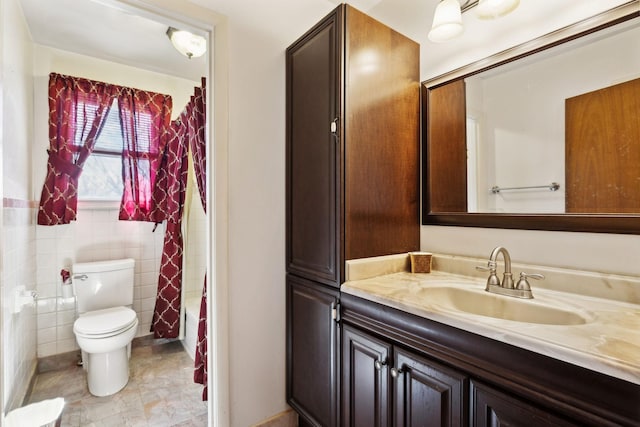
{"points": [[352, 184]]}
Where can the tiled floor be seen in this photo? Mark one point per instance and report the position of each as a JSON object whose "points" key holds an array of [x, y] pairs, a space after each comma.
{"points": [[160, 392]]}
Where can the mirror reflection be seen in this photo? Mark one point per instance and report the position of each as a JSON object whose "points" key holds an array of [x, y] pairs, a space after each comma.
{"points": [[558, 131]]}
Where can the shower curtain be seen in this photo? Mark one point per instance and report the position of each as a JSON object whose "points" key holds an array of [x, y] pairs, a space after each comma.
{"points": [[169, 193], [198, 153], [188, 131]]}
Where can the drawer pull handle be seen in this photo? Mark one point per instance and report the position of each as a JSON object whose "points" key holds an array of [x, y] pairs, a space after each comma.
{"points": [[379, 364], [395, 373]]}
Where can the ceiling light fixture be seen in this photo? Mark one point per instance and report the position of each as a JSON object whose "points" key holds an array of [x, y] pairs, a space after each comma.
{"points": [[188, 44], [447, 19], [491, 9]]}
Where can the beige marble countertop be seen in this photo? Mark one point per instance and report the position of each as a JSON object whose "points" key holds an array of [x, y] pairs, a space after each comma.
{"points": [[609, 341]]}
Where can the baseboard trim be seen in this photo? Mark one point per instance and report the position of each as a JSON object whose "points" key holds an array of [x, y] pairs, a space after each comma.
{"points": [[288, 418]]}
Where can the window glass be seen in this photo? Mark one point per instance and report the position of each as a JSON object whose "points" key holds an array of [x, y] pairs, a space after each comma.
{"points": [[101, 177]]}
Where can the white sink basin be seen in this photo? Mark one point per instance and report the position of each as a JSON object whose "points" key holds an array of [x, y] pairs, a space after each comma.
{"points": [[482, 303]]}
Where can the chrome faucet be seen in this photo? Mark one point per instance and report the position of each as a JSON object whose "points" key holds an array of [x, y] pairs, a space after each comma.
{"points": [[506, 287]]}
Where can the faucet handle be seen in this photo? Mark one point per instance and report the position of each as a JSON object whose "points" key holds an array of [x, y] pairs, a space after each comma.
{"points": [[491, 268], [524, 284]]}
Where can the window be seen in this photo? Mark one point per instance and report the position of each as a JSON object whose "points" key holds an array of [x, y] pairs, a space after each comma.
{"points": [[101, 178], [102, 173]]}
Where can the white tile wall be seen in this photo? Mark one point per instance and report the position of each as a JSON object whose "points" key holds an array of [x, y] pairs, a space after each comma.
{"points": [[96, 235], [19, 334]]}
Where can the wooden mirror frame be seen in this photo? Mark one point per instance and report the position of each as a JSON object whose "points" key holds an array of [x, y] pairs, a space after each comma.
{"points": [[596, 223]]}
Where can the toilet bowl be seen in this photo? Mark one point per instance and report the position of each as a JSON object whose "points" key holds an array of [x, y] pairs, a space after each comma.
{"points": [[106, 324], [104, 336]]}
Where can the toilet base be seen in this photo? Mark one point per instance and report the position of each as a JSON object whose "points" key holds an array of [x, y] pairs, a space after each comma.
{"points": [[107, 373]]}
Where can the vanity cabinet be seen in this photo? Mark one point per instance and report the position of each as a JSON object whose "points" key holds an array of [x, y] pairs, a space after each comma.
{"points": [[385, 385], [448, 376], [352, 158], [312, 350]]}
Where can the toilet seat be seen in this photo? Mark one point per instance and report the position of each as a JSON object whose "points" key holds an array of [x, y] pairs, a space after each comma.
{"points": [[105, 323]]}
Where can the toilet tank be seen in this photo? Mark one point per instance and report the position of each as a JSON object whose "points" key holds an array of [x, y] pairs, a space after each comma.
{"points": [[103, 284]]}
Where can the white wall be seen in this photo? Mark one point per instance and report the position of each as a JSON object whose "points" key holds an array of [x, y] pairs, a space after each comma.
{"points": [[256, 212], [256, 284], [18, 242], [2, 287]]}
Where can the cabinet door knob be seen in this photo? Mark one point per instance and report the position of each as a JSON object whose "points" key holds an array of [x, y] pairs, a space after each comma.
{"points": [[334, 126], [395, 372], [379, 364]]}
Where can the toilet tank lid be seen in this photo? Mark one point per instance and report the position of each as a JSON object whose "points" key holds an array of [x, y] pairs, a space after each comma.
{"points": [[97, 266]]}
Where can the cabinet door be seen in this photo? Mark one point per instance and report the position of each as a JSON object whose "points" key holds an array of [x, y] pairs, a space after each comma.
{"points": [[492, 408], [312, 162], [381, 139], [312, 351], [427, 393], [366, 396]]}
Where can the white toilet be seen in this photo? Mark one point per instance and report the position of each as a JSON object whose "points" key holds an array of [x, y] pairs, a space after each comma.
{"points": [[106, 324]]}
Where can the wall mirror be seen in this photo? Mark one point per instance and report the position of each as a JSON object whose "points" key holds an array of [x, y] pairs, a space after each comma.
{"points": [[543, 136]]}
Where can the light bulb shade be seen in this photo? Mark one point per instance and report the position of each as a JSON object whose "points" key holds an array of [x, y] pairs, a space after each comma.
{"points": [[447, 21], [491, 9], [188, 44]]}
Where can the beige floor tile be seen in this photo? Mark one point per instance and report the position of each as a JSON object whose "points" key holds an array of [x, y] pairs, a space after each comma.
{"points": [[160, 391]]}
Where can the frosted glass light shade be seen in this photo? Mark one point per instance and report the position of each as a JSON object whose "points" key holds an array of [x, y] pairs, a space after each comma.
{"points": [[188, 44], [447, 21], [491, 9]]}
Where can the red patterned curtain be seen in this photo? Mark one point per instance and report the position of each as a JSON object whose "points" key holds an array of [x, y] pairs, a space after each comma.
{"points": [[169, 193], [144, 118], [77, 111], [197, 124], [197, 144]]}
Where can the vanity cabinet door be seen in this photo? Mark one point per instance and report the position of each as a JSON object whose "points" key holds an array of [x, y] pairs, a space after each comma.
{"points": [[366, 395], [491, 408], [427, 393], [312, 351]]}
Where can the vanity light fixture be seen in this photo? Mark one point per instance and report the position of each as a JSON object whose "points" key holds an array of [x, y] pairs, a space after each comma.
{"points": [[189, 44], [491, 9], [447, 19]]}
